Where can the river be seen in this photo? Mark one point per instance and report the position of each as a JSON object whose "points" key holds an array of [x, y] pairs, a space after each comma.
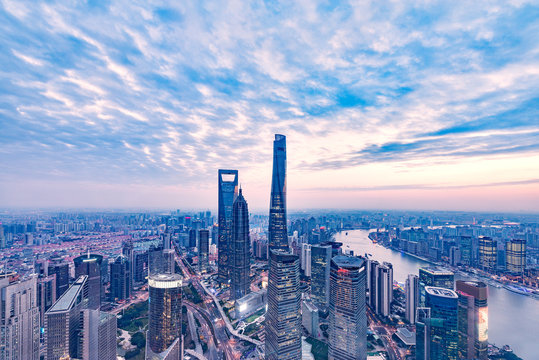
{"points": [[513, 318]]}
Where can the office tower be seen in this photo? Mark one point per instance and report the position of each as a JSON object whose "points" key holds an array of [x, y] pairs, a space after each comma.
{"points": [[228, 190], [141, 261], [412, 297], [347, 312], [128, 251], [432, 276], [90, 265], [192, 238], [310, 318], [278, 235], [472, 319], [283, 318], [19, 319], [61, 270], [320, 269], [454, 256], [487, 254], [165, 313], [2, 237], [384, 289], [63, 322], [203, 250], [306, 259], [120, 279], [46, 295], [372, 282], [166, 239], [98, 335], [161, 261], [240, 249], [436, 334], [336, 247], [515, 252]]}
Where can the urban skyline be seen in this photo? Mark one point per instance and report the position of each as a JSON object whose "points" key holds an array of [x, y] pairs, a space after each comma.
{"points": [[385, 106]]}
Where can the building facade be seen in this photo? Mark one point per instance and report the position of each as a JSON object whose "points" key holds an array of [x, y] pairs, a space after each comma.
{"points": [[433, 276], [412, 297], [347, 312], [240, 249], [487, 253], [120, 279], [203, 250], [228, 191], [515, 252], [384, 289], [320, 270], [90, 265], [472, 319], [278, 234]]}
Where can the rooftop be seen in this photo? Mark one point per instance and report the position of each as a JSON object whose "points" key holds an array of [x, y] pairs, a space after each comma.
{"points": [[67, 300], [442, 292]]}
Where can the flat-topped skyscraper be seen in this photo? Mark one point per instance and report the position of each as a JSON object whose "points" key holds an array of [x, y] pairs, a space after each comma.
{"points": [[278, 235], [90, 265], [228, 191]]}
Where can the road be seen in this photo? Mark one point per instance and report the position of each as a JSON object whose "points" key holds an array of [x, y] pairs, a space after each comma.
{"points": [[385, 332]]}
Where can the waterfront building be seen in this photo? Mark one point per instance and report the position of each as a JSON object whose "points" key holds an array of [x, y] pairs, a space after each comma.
{"points": [[203, 250], [90, 265], [436, 329], [63, 322], [472, 319], [165, 313], [412, 297], [433, 276], [347, 312], [309, 317], [278, 235], [228, 190], [120, 279], [320, 269], [61, 270], [487, 253], [515, 252], [384, 289], [240, 249], [99, 331], [19, 319], [283, 318]]}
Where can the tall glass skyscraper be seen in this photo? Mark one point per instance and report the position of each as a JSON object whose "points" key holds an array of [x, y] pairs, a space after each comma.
{"points": [[228, 190], [473, 319], [278, 235], [90, 265], [412, 297], [203, 250], [347, 312], [433, 276], [515, 252], [283, 318], [320, 264], [240, 249]]}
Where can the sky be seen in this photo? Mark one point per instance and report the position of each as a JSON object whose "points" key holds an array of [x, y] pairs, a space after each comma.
{"points": [[385, 104]]}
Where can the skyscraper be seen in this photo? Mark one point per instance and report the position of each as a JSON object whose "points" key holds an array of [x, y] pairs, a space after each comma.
{"points": [[320, 269], [433, 276], [128, 250], [98, 335], [384, 289], [203, 250], [347, 313], [472, 319], [283, 318], [120, 279], [63, 322], [412, 297], [192, 238], [228, 190], [61, 270], [487, 253], [515, 252], [278, 235], [90, 265], [19, 319], [46, 295], [372, 282], [240, 249], [2, 237], [436, 333], [165, 313], [306, 259]]}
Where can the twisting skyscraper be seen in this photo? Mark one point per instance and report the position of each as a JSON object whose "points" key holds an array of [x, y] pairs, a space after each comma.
{"points": [[283, 318], [347, 313], [240, 247], [228, 190], [278, 236]]}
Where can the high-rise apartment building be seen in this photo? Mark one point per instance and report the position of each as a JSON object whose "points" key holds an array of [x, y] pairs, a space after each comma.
{"points": [[278, 234], [228, 191], [203, 250], [240, 249], [384, 289], [372, 282], [412, 297], [165, 314], [487, 253], [436, 329], [90, 265], [347, 312], [472, 319], [320, 269], [63, 322], [515, 255], [19, 319], [283, 318], [433, 276], [120, 279]]}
